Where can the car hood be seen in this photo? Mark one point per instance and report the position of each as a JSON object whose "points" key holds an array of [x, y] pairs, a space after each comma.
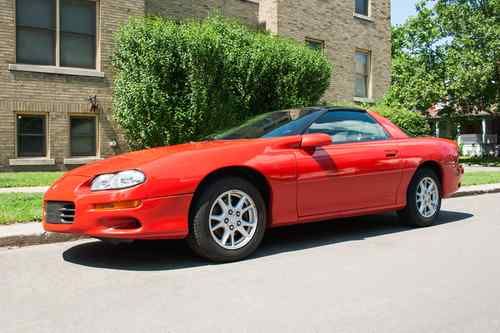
{"points": [[138, 159]]}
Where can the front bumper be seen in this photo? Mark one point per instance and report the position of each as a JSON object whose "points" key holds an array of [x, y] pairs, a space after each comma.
{"points": [[155, 218]]}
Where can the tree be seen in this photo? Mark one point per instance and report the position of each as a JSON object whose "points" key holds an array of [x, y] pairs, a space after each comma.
{"points": [[449, 52]]}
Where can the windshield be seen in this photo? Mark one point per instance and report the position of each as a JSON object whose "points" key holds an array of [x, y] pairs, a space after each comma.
{"points": [[271, 124]]}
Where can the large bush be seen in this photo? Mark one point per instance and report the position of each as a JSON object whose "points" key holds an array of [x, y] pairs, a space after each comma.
{"points": [[176, 82]]}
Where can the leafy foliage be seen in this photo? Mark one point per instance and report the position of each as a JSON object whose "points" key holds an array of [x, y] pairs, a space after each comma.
{"points": [[449, 52], [177, 82]]}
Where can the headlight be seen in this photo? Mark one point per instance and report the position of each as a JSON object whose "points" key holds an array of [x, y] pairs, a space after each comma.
{"points": [[116, 181]]}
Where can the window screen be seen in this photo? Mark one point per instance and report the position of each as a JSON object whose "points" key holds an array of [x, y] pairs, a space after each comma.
{"points": [[362, 74], [78, 33], [36, 31], [83, 136], [361, 7]]}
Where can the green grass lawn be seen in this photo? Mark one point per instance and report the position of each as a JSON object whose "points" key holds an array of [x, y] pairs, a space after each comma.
{"points": [[19, 179], [479, 178], [20, 207]]}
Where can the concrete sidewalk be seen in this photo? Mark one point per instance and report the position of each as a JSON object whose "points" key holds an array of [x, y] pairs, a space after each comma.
{"points": [[23, 234], [36, 189], [473, 168]]}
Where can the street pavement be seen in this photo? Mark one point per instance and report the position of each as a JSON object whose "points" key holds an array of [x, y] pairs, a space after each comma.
{"points": [[358, 275]]}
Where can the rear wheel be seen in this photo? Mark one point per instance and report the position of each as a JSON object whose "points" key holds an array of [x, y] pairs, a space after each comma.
{"points": [[228, 220], [423, 199]]}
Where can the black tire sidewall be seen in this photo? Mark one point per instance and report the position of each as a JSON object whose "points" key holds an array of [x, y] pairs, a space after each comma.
{"points": [[200, 238]]}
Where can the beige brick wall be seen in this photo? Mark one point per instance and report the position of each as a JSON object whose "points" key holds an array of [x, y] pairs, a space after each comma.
{"points": [[333, 21], [56, 95], [246, 11]]}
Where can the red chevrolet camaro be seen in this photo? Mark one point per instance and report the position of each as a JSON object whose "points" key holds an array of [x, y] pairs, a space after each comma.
{"points": [[279, 168]]}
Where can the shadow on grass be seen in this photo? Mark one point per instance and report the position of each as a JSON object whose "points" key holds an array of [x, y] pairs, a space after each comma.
{"points": [[175, 254]]}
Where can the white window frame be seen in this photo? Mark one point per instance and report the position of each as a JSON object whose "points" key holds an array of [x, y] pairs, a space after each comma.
{"points": [[368, 75]]}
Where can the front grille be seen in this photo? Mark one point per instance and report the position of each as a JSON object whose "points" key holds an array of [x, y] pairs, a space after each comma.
{"points": [[60, 212]]}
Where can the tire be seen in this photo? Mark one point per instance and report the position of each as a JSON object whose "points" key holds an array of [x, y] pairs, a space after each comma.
{"points": [[211, 219], [414, 214]]}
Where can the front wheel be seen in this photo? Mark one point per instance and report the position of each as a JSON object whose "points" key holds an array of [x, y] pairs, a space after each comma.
{"points": [[423, 199], [228, 220]]}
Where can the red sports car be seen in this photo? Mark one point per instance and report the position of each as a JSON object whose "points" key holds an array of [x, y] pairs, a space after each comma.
{"points": [[277, 169]]}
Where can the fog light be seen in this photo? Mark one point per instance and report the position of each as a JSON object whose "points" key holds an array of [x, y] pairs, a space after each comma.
{"points": [[118, 205]]}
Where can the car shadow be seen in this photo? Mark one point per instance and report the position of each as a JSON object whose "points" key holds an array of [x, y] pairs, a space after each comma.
{"points": [[175, 254]]}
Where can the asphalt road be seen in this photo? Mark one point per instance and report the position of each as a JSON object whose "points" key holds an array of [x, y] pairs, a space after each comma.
{"points": [[360, 275]]}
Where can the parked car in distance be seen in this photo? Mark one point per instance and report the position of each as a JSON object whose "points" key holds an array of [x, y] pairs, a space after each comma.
{"points": [[279, 168]]}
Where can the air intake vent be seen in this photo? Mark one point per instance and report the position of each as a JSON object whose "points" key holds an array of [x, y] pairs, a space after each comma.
{"points": [[60, 212]]}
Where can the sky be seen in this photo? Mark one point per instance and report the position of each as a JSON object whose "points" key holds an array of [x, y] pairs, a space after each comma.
{"points": [[401, 9]]}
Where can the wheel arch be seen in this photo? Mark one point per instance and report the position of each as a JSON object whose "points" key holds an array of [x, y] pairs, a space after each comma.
{"points": [[252, 175]]}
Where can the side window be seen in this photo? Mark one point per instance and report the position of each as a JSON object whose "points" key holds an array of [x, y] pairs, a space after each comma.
{"points": [[348, 126]]}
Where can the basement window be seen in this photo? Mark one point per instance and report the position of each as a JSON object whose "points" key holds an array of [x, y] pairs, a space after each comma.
{"points": [[83, 136], [31, 135]]}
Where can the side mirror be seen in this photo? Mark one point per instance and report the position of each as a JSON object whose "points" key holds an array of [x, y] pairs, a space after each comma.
{"points": [[313, 141]]}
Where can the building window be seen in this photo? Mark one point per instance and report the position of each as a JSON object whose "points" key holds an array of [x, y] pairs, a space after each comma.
{"points": [[315, 44], [361, 7], [67, 39], [83, 136], [362, 74], [31, 136], [36, 31]]}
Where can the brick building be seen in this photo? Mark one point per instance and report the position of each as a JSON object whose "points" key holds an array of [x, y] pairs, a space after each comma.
{"points": [[56, 74]]}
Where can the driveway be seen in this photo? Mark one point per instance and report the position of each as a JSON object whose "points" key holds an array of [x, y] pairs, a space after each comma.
{"points": [[360, 275]]}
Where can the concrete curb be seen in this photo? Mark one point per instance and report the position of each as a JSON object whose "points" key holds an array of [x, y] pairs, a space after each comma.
{"points": [[32, 233], [472, 191], [26, 234], [43, 238]]}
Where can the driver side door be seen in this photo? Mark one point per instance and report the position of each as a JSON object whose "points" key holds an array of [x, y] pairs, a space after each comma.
{"points": [[360, 170]]}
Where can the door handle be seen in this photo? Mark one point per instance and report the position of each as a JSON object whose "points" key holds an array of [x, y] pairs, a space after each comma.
{"points": [[391, 153]]}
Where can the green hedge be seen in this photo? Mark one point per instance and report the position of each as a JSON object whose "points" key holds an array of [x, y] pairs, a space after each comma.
{"points": [[176, 82]]}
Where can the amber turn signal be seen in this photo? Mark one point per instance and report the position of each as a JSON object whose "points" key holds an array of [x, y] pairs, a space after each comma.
{"points": [[118, 205]]}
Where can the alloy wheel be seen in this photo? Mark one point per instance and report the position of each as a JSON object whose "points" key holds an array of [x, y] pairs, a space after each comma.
{"points": [[233, 219], [427, 197]]}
